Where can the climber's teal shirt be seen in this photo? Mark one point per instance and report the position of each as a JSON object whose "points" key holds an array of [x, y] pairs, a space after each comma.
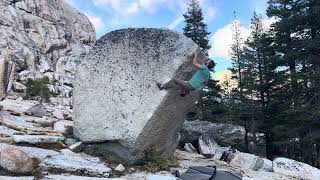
{"points": [[200, 78]]}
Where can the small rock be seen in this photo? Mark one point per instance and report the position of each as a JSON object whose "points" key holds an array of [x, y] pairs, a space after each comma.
{"points": [[247, 161], [37, 139], [18, 87], [68, 152], [57, 114], [64, 126], [190, 148], [267, 165], [23, 76], [183, 155], [70, 141], [77, 147], [44, 121], [120, 168], [17, 106], [207, 146], [37, 111], [16, 161], [61, 101], [219, 152], [18, 121]]}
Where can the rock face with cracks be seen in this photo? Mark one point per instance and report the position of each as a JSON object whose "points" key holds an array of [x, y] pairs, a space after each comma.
{"points": [[43, 34], [45, 38], [116, 98]]}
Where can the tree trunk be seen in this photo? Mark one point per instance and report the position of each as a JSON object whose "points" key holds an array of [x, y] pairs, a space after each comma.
{"points": [[269, 148], [246, 140]]}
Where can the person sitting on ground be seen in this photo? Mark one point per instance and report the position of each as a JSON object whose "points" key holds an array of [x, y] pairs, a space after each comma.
{"points": [[231, 155], [198, 80], [228, 155], [225, 154]]}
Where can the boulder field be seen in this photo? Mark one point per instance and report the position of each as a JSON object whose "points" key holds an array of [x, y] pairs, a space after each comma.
{"points": [[116, 99], [22, 153]]}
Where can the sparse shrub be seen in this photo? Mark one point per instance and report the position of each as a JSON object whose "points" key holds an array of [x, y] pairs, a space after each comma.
{"points": [[38, 88], [156, 161]]}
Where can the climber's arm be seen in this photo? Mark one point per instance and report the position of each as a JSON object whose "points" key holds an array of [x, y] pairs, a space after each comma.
{"points": [[195, 59]]}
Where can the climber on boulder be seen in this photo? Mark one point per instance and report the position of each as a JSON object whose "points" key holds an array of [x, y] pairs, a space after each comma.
{"points": [[198, 80]]}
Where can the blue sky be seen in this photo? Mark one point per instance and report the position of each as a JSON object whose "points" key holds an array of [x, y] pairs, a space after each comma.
{"points": [[108, 15]]}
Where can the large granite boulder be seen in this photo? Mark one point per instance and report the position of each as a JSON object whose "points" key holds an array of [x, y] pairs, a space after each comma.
{"points": [[46, 37], [291, 167], [7, 69], [223, 134], [116, 98]]}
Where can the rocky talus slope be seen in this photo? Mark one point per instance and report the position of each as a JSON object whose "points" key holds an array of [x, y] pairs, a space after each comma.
{"points": [[36, 141]]}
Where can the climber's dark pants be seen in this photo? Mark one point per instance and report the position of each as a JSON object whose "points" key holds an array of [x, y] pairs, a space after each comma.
{"points": [[186, 87]]}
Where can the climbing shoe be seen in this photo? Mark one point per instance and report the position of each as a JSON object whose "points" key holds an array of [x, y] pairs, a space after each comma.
{"points": [[159, 86]]}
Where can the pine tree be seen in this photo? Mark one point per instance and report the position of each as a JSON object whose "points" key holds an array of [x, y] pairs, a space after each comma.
{"points": [[195, 27], [258, 73], [240, 108], [307, 41], [278, 74], [286, 43], [296, 100], [309, 33], [236, 53]]}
